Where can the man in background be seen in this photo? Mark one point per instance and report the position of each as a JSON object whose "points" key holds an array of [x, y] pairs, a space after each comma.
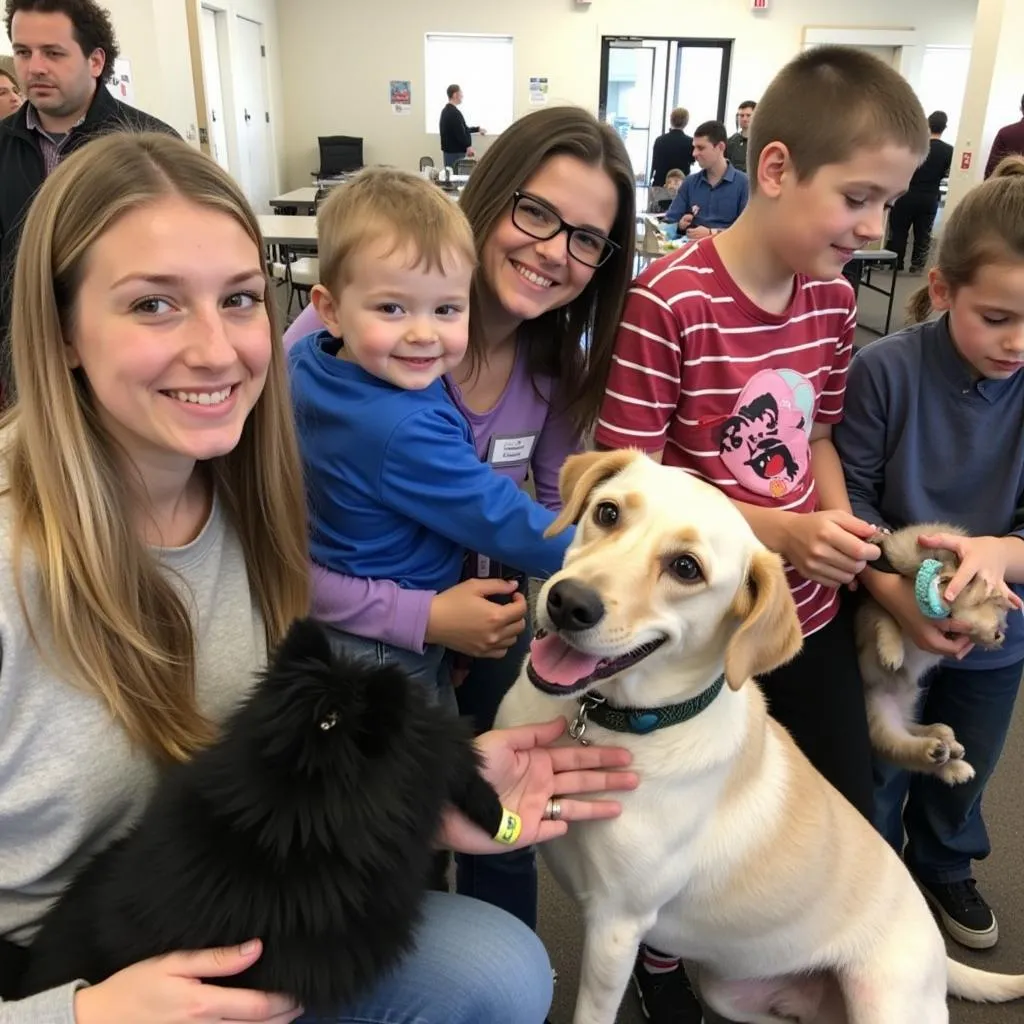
{"points": [[673, 149], [1009, 139], [456, 136], [10, 95], [64, 52], [713, 197], [917, 207], [736, 147]]}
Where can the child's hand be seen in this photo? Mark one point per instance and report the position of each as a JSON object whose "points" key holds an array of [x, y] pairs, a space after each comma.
{"points": [[984, 557], [828, 547], [685, 221], [946, 637], [463, 619]]}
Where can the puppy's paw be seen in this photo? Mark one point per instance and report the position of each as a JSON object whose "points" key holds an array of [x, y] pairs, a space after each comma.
{"points": [[890, 653], [955, 773], [935, 751]]}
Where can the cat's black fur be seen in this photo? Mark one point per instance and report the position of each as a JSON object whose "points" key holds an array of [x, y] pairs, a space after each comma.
{"points": [[309, 825]]}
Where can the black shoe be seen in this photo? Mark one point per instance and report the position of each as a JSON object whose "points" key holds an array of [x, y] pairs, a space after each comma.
{"points": [[666, 998], [963, 912], [916, 271]]}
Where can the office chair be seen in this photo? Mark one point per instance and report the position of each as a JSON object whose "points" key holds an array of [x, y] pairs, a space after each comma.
{"points": [[339, 154]]}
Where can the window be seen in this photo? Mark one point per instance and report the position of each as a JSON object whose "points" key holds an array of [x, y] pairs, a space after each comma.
{"points": [[482, 65], [943, 83]]}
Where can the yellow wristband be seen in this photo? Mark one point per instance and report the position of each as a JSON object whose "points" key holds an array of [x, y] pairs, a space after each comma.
{"points": [[510, 828]]}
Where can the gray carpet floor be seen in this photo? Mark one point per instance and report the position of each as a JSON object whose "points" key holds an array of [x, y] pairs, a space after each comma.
{"points": [[1000, 878]]}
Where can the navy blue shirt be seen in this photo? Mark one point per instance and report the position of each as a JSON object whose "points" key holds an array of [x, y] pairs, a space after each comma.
{"points": [[719, 205], [923, 439]]}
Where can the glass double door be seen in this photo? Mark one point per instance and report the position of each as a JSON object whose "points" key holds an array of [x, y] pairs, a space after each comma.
{"points": [[643, 80]]}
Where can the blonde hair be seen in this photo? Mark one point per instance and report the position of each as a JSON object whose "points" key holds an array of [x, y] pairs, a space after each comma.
{"points": [[679, 118], [831, 101], [986, 227], [401, 208], [119, 628], [674, 173]]}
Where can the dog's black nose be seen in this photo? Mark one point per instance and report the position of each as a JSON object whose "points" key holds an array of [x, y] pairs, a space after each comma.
{"points": [[574, 606]]}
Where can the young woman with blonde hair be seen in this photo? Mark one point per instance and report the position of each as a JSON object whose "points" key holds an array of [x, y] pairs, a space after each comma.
{"points": [[152, 547]]}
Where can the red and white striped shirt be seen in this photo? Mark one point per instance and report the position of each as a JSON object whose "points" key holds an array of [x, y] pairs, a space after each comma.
{"points": [[730, 391]]}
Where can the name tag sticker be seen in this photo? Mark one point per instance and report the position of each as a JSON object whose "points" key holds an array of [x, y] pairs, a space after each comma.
{"points": [[511, 450]]}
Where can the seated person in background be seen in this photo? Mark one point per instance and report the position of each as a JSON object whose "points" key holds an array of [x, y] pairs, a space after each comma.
{"points": [[711, 199], [660, 197], [673, 149], [396, 490]]}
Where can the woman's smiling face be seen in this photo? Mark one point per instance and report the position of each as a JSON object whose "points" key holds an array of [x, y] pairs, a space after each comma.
{"points": [[529, 277]]}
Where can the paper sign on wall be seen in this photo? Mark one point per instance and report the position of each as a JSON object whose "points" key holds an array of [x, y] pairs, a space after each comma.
{"points": [[538, 91], [122, 86], [401, 96]]}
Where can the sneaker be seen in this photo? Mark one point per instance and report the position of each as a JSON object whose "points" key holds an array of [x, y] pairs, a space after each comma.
{"points": [[666, 998], [963, 912]]}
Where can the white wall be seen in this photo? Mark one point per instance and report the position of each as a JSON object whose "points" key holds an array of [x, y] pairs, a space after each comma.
{"points": [[337, 56]]}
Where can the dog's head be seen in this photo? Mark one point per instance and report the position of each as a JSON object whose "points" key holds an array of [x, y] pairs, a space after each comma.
{"points": [[664, 585], [984, 613]]}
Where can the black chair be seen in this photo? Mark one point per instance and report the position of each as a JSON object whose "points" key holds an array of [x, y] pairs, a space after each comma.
{"points": [[425, 162], [465, 165], [339, 154]]}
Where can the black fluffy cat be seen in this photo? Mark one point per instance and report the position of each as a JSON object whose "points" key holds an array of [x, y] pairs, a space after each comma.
{"points": [[308, 825]]}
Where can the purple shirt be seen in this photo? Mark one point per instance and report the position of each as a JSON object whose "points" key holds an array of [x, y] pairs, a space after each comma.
{"points": [[382, 610]]}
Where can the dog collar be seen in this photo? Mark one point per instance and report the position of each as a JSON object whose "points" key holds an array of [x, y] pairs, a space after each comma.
{"points": [[594, 708], [926, 590]]}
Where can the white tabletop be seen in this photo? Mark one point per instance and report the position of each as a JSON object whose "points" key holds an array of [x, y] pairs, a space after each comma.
{"points": [[294, 230], [297, 197]]}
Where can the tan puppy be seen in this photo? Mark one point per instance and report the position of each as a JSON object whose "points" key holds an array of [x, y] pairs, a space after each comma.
{"points": [[733, 853], [892, 667]]}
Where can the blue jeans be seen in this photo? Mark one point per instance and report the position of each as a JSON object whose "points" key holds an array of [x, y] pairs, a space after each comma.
{"points": [[506, 880], [451, 159], [427, 668], [472, 964], [944, 827]]}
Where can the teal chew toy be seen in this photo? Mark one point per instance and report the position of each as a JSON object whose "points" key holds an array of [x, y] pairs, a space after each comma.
{"points": [[926, 590]]}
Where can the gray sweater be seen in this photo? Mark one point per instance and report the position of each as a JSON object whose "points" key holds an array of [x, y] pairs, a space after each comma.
{"points": [[70, 781], [923, 440]]}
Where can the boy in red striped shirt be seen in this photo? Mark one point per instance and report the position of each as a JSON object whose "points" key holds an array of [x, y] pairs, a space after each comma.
{"points": [[731, 364]]}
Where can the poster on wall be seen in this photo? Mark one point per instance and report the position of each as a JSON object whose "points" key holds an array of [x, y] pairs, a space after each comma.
{"points": [[401, 96], [538, 91], [122, 85]]}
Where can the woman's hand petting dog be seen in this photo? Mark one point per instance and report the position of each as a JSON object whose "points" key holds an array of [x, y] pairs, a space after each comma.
{"points": [[463, 618], [171, 990], [828, 547], [985, 557], [527, 771]]}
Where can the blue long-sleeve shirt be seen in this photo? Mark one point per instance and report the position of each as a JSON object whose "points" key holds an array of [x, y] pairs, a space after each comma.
{"points": [[923, 440], [394, 485], [720, 205]]}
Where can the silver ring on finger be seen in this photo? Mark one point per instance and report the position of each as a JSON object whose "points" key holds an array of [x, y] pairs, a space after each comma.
{"points": [[553, 810]]}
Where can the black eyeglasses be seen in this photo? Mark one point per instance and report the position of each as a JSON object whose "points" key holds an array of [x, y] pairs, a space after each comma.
{"points": [[535, 218]]}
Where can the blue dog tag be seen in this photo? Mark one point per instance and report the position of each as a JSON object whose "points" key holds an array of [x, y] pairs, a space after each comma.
{"points": [[643, 721]]}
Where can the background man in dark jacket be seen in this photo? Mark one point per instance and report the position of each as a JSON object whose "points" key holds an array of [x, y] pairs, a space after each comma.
{"points": [[456, 136], [64, 52], [1009, 139], [916, 208], [673, 149]]}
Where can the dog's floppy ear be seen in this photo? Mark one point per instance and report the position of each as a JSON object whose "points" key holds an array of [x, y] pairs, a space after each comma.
{"points": [[769, 632], [306, 640], [580, 475]]}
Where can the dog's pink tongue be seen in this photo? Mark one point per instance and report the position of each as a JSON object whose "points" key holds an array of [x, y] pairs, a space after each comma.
{"points": [[558, 663]]}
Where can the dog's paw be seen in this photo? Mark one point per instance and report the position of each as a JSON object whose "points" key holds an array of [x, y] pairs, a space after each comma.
{"points": [[955, 773], [935, 751], [890, 652]]}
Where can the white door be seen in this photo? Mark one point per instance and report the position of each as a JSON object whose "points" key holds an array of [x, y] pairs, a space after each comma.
{"points": [[252, 110], [209, 42]]}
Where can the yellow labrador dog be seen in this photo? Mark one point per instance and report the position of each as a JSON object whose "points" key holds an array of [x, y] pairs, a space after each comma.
{"points": [[733, 853]]}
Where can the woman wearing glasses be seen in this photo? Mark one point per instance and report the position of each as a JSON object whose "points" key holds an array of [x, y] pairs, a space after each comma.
{"points": [[551, 205]]}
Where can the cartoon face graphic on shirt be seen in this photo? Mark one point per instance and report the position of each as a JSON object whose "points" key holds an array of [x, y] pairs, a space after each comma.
{"points": [[765, 443]]}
